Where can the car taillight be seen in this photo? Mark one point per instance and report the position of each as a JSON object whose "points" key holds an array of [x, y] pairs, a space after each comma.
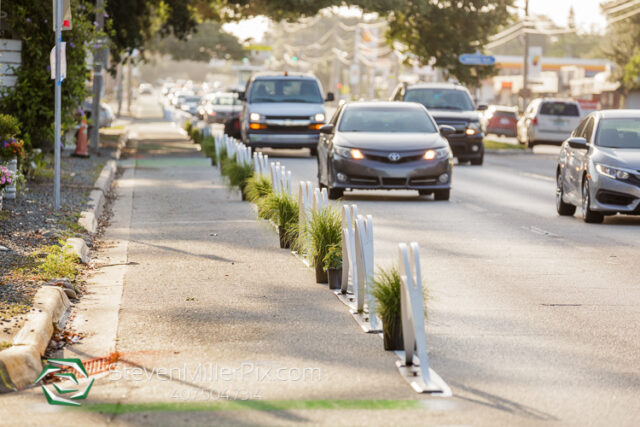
{"points": [[534, 122]]}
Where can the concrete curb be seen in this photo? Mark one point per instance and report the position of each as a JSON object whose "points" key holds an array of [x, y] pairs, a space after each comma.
{"points": [[20, 364], [89, 217]]}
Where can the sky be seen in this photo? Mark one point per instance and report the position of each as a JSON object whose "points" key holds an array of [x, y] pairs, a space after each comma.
{"points": [[587, 15]]}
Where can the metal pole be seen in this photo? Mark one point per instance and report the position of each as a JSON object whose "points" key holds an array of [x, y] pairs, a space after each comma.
{"points": [[58, 107], [97, 79], [525, 73]]}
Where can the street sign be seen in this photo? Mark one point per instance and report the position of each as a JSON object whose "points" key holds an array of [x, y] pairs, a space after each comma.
{"points": [[476, 59], [66, 15]]}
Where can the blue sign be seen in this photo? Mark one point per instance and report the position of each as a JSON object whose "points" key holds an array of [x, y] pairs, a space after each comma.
{"points": [[476, 59]]}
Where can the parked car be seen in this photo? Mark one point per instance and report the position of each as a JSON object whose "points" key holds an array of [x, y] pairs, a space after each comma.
{"points": [[548, 121], [145, 89], [384, 145], [220, 107], [450, 104], [599, 166], [282, 110], [500, 120]]}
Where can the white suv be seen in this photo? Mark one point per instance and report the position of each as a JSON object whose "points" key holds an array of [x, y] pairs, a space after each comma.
{"points": [[548, 121]]}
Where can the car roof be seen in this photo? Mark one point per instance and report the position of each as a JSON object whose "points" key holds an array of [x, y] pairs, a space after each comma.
{"points": [[384, 104], [282, 75], [617, 114], [441, 85], [573, 101]]}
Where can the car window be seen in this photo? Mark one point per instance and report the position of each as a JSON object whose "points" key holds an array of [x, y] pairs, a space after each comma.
{"points": [[286, 90], [440, 99], [577, 132], [227, 100], [588, 129], [405, 120], [559, 109], [510, 114], [619, 133]]}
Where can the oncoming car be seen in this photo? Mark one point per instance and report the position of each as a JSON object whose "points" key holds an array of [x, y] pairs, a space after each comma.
{"points": [[384, 145], [599, 166]]}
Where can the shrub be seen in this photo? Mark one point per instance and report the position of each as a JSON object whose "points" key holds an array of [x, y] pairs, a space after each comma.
{"points": [[282, 209], [208, 146], [58, 263], [188, 127], [323, 230], [386, 291], [237, 174], [258, 187], [333, 258]]}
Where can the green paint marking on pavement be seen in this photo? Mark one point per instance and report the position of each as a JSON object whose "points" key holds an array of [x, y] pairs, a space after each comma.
{"points": [[170, 162], [254, 405]]}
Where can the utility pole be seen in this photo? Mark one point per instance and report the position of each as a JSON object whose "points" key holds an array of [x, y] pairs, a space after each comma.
{"points": [[58, 105], [525, 73], [97, 78]]}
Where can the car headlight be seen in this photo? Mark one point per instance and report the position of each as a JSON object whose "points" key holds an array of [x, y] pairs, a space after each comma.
{"points": [[473, 128], [254, 117], [349, 153], [612, 172], [438, 153], [319, 117]]}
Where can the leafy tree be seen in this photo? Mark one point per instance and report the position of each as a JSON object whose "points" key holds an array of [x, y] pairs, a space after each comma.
{"points": [[32, 99], [208, 41], [621, 45], [441, 31], [631, 76], [132, 23]]}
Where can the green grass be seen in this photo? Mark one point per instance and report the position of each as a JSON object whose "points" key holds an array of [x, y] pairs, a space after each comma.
{"points": [[253, 405], [58, 263], [386, 291], [258, 187], [490, 144], [323, 230]]}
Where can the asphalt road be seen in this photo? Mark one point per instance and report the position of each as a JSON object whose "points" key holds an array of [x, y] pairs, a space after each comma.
{"points": [[530, 314]]}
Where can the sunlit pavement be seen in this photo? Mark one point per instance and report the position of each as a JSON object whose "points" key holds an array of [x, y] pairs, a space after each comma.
{"points": [[530, 314]]}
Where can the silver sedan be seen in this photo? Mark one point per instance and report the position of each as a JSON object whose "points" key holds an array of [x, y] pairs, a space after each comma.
{"points": [[599, 166]]}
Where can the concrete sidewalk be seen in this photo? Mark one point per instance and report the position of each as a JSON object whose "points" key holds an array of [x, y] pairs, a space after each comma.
{"points": [[213, 314]]}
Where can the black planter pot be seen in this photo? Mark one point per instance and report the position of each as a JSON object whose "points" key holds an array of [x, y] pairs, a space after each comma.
{"points": [[393, 336], [321, 275], [284, 242], [335, 278]]}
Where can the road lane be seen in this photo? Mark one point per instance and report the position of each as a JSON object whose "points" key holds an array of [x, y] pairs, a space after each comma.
{"points": [[530, 313]]}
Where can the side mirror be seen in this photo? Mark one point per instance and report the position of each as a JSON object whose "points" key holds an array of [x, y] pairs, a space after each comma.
{"points": [[446, 130], [330, 97], [241, 96], [327, 128], [482, 107], [578, 143]]}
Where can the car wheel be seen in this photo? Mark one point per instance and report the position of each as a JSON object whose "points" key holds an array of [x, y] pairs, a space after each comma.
{"points": [[564, 209], [314, 151], [441, 194], [478, 161], [588, 215], [335, 193], [425, 192]]}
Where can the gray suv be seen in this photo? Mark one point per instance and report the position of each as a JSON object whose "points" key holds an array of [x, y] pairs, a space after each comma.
{"points": [[450, 104], [283, 110]]}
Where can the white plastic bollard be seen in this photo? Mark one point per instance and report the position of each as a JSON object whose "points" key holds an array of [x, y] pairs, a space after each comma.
{"points": [[275, 179], [349, 214], [364, 259], [304, 203], [412, 308]]}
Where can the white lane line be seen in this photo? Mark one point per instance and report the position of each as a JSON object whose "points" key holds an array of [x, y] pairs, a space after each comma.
{"points": [[538, 176]]}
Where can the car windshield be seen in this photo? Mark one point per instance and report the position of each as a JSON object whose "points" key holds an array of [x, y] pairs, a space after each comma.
{"points": [[192, 100], [406, 120], [226, 100], [285, 90], [619, 133], [559, 109], [441, 99]]}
